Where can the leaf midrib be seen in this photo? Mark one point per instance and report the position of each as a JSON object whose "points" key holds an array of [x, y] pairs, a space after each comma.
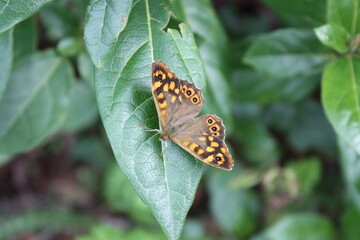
{"points": [[152, 60]]}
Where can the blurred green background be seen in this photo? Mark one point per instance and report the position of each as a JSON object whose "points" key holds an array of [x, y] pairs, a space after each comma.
{"points": [[294, 178]]}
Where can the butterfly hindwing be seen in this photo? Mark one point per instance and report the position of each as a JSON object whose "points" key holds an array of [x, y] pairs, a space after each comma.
{"points": [[204, 138]]}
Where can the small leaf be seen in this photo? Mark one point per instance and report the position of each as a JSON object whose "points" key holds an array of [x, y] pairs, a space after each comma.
{"points": [[334, 36], [299, 226], [12, 12], [299, 13], [340, 96], [287, 53], [35, 101], [346, 14], [235, 210], [6, 56], [258, 145], [69, 47], [106, 19], [165, 176], [350, 163], [308, 172]]}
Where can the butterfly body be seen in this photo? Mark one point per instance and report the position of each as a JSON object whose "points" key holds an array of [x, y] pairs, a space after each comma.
{"points": [[178, 102]]}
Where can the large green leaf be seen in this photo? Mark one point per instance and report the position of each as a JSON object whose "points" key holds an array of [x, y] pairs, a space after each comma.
{"points": [[164, 176], [35, 101], [299, 13], [6, 56], [14, 11], [287, 53], [299, 226], [345, 13], [350, 163], [340, 96], [212, 43], [105, 20]]}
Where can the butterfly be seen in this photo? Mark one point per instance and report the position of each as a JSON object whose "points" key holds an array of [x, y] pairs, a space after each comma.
{"points": [[178, 102]]}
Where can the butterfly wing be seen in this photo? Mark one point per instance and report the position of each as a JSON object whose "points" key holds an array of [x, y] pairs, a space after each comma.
{"points": [[204, 138], [176, 100]]}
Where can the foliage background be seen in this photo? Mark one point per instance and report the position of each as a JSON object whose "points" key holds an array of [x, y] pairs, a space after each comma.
{"points": [[75, 85]]}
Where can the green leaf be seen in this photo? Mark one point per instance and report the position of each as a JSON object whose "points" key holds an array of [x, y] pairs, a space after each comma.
{"points": [[6, 56], [299, 226], [82, 111], [103, 232], [258, 145], [334, 36], [340, 96], [350, 164], [212, 44], [107, 232], [350, 224], [13, 12], [194, 230], [35, 101], [86, 68], [346, 14], [308, 172], [69, 47], [287, 53], [235, 210], [252, 86], [61, 20], [165, 176], [310, 130], [14, 227], [125, 199], [105, 20], [299, 13], [25, 38]]}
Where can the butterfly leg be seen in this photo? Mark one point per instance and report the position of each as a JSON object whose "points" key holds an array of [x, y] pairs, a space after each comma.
{"points": [[149, 129]]}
